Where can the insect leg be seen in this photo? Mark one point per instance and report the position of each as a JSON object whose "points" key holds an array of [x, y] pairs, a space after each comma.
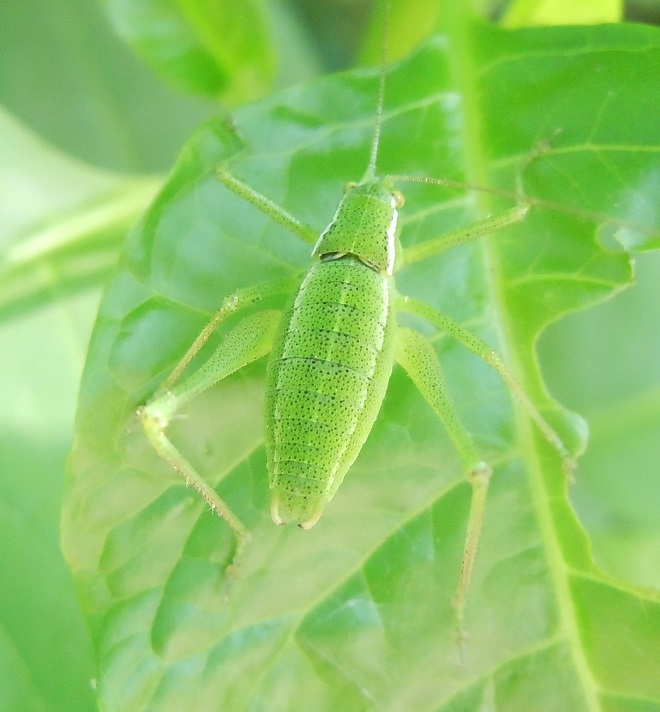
{"points": [[492, 358], [249, 340], [488, 225], [420, 361], [266, 205], [240, 299]]}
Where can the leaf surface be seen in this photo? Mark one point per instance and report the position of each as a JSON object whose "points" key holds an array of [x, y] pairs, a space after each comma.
{"points": [[356, 614]]}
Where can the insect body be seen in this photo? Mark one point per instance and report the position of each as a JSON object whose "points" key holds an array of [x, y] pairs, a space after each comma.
{"points": [[332, 360]]}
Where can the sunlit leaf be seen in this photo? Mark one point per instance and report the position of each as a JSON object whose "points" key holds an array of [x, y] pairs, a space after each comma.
{"points": [[356, 613]]}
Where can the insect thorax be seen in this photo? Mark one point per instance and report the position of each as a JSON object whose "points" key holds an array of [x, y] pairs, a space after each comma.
{"points": [[364, 226]]}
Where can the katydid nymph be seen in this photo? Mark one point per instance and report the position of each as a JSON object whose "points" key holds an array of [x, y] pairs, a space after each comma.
{"points": [[332, 351]]}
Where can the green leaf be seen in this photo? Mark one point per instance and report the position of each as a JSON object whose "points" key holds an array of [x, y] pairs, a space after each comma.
{"points": [[46, 661], [356, 613], [95, 100], [210, 48], [62, 222]]}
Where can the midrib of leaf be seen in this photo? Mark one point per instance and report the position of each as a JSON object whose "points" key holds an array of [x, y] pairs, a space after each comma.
{"points": [[457, 20], [558, 571]]}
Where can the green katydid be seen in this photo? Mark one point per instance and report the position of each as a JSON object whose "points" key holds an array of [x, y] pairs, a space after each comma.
{"points": [[332, 353]]}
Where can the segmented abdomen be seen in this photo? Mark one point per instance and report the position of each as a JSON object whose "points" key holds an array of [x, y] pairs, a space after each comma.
{"points": [[326, 380]]}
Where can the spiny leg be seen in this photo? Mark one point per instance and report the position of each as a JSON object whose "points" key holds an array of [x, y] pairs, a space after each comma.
{"points": [[249, 340], [240, 299], [477, 346], [488, 225], [266, 205], [420, 361], [474, 230], [492, 358]]}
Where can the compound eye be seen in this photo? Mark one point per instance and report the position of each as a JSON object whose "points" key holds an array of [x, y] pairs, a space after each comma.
{"points": [[399, 200], [349, 186]]}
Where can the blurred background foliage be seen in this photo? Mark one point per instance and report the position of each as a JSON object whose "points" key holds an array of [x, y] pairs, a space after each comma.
{"points": [[92, 115]]}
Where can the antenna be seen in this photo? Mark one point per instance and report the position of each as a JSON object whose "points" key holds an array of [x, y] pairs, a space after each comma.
{"points": [[371, 168], [521, 197]]}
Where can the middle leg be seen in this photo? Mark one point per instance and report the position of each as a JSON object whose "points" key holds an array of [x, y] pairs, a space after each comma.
{"points": [[492, 358]]}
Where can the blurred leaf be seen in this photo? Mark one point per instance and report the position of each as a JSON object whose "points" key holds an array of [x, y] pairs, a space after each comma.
{"points": [[410, 22], [94, 99], [526, 13], [215, 48], [62, 221], [356, 613], [61, 225], [45, 653], [606, 364]]}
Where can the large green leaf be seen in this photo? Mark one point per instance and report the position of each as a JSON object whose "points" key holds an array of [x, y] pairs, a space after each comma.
{"points": [[356, 613]]}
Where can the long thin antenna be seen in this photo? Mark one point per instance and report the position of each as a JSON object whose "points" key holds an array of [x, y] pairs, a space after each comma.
{"points": [[522, 197], [371, 168]]}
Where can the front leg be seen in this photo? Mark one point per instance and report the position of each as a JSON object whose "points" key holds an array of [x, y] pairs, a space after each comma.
{"points": [[266, 205]]}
